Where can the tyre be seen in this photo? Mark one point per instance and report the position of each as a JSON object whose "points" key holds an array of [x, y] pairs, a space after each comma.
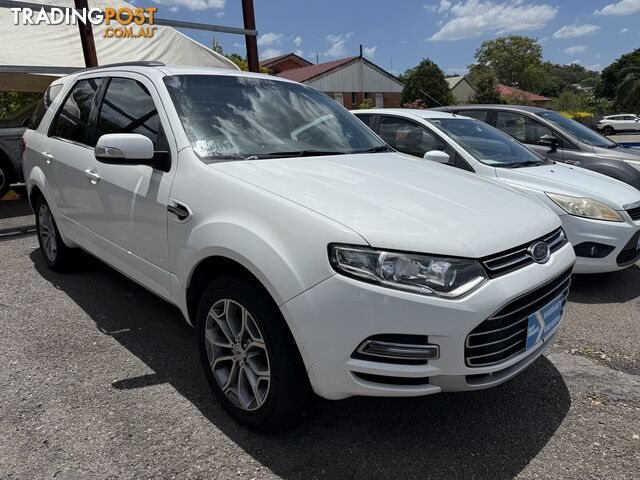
{"points": [[608, 130], [56, 254], [6, 178], [249, 356]]}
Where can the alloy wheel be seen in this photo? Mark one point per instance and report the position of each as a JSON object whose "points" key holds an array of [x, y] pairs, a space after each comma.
{"points": [[3, 179], [47, 232], [237, 354]]}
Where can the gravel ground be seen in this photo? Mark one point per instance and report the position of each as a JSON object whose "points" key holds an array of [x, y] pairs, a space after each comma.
{"points": [[100, 379]]}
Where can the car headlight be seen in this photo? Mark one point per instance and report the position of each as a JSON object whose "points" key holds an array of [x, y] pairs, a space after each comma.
{"points": [[424, 274], [585, 207]]}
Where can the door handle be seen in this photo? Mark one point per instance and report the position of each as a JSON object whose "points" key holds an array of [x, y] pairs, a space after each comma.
{"points": [[48, 158], [93, 175], [572, 162]]}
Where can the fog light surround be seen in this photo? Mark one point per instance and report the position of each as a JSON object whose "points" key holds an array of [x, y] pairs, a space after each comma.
{"points": [[399, 351]]}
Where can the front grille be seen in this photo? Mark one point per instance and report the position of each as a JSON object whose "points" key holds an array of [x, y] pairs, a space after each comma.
{"points": [[504, 334], [634, 213], [515, 258], [630, 254]]}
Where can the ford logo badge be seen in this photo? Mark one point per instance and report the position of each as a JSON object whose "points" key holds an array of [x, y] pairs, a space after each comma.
{"points": [[539, 252]]}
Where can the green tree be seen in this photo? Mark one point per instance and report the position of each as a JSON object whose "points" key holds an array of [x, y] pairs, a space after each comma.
{"points": [[515, 59], [484, 82], [426, 77], [614, 74], [628, 91], [558, 78]]}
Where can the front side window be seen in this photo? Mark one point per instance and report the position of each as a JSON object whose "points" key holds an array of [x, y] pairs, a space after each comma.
{"points": [[72, 122], [522, 128], [128, 108], [487, 144], [409, 137], [232, 118], [577, 130]]}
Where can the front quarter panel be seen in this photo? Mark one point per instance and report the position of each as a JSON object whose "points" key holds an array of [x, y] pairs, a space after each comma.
{"points": [[281, 243]]}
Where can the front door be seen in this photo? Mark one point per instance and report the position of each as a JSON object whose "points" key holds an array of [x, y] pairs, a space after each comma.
{"points": [[131, 210], [379, 100], [529, 131]]}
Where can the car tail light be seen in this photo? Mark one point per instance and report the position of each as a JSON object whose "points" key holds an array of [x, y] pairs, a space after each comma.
{"points": [[23, 146]]}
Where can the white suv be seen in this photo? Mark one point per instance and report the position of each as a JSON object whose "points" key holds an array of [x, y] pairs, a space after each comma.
{"points": [[304, 252], [619, 123]]}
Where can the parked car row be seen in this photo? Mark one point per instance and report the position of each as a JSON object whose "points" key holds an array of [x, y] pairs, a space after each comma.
{"points": [[308, 253]]}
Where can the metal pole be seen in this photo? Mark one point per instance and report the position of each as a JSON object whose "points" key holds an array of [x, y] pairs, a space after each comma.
{"points": [[252, 44], [86, 38]]}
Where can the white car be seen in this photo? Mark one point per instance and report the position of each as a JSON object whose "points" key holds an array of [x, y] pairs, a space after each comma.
{"points": [[612, 124], [600, 215], [324, 260]]}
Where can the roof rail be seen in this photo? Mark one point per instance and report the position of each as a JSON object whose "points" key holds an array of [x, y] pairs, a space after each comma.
{"points": [[151, 63]]}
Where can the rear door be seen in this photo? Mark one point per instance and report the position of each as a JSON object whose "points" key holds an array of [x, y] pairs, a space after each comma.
{"points": [[68, 155]]}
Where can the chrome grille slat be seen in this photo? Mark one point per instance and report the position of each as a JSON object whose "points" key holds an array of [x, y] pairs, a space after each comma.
{"points": [[497, 317], [634, 213], [497, 341], [511, 320], [502, 263]]}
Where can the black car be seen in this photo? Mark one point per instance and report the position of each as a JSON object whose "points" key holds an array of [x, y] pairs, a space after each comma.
{"points": [[559, 138]]}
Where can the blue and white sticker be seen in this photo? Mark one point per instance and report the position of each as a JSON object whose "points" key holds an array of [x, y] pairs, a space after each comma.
{"points": [[544, 322]]}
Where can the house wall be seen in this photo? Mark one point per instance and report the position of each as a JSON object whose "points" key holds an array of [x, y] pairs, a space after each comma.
{"points": [[463, 92], [356, 77], [390, 99]]}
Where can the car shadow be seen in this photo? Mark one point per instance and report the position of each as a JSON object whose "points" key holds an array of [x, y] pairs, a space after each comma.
{"points": [[488, 434], [615, 287]]}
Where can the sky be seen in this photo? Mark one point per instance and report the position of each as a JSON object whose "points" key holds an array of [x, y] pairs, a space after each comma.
{"points": [[396, 35]]}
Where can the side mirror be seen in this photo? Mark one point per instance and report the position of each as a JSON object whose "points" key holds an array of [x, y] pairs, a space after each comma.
{"points": [[125, 149], [549, 141], [437, 156]]}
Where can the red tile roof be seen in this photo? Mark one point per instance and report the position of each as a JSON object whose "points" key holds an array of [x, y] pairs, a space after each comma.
{"points": [[506, 90], [303, 74], [268, 61]]}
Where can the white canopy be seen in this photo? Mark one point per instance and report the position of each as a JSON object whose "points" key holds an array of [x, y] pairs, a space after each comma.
{"points": [[59, 46]]}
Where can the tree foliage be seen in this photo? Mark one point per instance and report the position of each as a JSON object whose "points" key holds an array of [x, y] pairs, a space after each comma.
{"points": [[516, 60], [484, 82], [614, 74], [426, 77], [558, 78], [628, 91], [13, 102]]}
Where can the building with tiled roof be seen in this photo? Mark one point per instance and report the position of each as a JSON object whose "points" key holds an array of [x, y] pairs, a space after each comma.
{"points": [[528, 97], [350, 81], [281, 63]]}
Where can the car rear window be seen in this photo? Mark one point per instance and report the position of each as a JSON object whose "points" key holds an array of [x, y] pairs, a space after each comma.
{"points": [[49, 96], [73, 119]]}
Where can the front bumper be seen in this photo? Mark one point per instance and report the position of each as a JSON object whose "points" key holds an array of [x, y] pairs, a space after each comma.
{"points": [[618, 236], [331, 319]]}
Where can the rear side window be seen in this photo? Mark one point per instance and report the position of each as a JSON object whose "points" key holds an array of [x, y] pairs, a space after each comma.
{"points": [[128, 108], [72, 122], [477, 114], [409, 137], [367, 119], [49, 96]]}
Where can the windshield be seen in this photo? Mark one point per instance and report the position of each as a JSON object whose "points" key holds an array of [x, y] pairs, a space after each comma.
{"points": [[487, 144], [229, 118], [582, 133]]}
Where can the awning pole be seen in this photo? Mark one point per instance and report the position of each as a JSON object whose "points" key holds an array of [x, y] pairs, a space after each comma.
{"points": [[86, 38], [252, 45]]}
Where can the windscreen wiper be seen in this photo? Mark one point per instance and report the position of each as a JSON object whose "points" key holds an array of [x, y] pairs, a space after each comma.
{"points": [[293, 153], [522, 164], [379, 148]]}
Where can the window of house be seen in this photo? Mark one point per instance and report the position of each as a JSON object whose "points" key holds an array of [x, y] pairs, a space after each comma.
{"points": [[354, 98], [367, 95], [72, 121]]}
